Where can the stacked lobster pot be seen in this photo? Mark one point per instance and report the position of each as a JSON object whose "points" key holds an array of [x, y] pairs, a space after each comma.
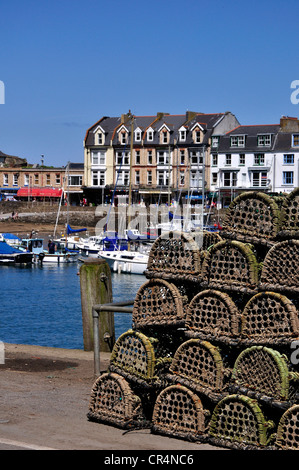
{"points": [[213, 352]]}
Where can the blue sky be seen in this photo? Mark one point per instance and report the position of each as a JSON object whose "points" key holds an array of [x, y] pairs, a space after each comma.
{"points": [[65, 64]]}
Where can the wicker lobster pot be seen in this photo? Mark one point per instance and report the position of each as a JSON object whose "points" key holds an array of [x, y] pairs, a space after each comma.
{"points": [[288, 429], [212, 315], [158, 303], [238, 421], [290, 216], [269, 318], [263, 373], [280, 271], [133, 357], [232, 266], [252, 217], [198, 365], [174, 255], [178, 412], [179, 256], [113, 402]]}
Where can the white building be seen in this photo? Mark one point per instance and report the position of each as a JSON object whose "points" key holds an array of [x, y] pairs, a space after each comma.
{"points": [[256, 158]]}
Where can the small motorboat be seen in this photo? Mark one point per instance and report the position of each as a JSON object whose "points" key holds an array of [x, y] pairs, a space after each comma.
{"points": [[131, 262], [12, 255], [35, 246]]}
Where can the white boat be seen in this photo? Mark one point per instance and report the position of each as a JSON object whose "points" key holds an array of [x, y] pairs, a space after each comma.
{"points": [[71, 240], [57, 258], [35, 246], [132, 262], [90, 246], [106, 241], [11, 239], [10, 255]]}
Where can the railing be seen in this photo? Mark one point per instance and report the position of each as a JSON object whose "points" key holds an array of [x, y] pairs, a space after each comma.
{"points": [[120, 307]]}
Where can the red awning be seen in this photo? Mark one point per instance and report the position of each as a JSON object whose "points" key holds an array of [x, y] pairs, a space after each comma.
{"points": [[39, 192]]}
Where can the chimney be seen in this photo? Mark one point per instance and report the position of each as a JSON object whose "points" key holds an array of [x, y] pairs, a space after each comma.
{"points": [[125, 117], [190, 115], [289, 124]]}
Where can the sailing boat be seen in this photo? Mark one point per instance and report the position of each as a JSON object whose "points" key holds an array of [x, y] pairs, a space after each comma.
{"points": [[61, 253]]}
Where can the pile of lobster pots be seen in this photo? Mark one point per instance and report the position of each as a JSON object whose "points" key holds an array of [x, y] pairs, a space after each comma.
{"points": [[213, 352]]}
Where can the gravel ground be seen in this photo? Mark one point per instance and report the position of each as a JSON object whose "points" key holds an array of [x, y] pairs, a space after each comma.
{"points": [[44, 400]]}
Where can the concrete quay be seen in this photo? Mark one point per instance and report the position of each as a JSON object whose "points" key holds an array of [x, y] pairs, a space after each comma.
{"points": [[44, 399]]}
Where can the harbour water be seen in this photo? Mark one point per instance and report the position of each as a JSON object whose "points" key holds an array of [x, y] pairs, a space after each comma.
{"points": [[41, 305]]}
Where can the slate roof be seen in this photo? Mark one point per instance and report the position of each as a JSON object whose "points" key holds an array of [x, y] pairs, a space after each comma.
{"points": [[76, 166], [251, 133], [173, 122], [284, 142]]}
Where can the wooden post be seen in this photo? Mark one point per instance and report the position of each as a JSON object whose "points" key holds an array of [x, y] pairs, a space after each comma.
{"points": [[96, 288]]}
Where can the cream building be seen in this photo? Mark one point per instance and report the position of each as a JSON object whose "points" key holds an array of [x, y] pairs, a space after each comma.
{"points": [[170, 155]]}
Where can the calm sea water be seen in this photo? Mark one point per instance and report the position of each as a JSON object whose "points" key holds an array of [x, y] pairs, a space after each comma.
{"points": [[41, 305]]}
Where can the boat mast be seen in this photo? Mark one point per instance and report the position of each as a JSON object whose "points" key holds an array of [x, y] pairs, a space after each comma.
{"points": [[68, 201], [130, 176], [59, 207], [203, 187]]}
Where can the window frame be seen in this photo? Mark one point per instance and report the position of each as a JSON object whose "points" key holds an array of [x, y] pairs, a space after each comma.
{"points": [[119, 156], [295, 140], [137, 157], [259, 159], [262, 140], [150, 135], [230, 177], [98, 175], [285, 176], [228, 159], [262, 179], [237, 141], [182, 135], [98, 157], [285, 157]]}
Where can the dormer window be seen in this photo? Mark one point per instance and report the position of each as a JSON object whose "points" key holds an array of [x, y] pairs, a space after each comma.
{"points": [[150, 135], [123, 135], [215, 141], [99, 136], [264, 140], [138, 135], [182, 135], [237, 141], [164, 134], [197, 134], [295, 140]]}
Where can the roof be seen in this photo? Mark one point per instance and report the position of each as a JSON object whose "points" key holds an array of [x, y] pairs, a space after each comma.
{"points": [[255, 129], [111, 126], [76, 166], [251, 133]]}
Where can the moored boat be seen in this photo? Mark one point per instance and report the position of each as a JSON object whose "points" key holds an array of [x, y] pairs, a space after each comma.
{"points": [[12, 255], [35, 246], [132, 262]]}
